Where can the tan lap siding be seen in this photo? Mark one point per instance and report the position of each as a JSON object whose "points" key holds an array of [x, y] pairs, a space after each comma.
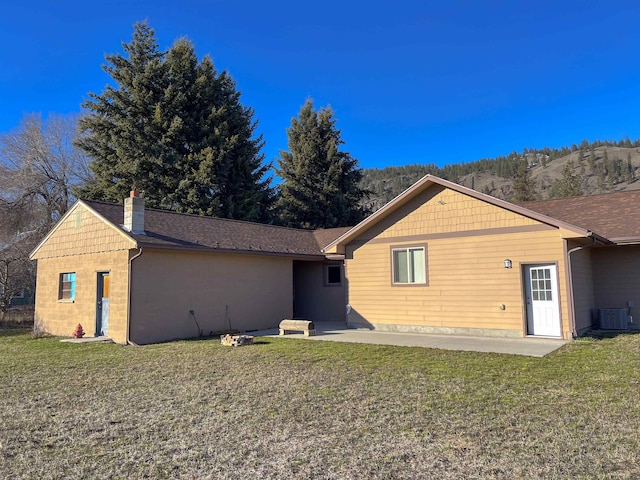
{"points": [[61, 317], [467, 242], [249, 291]]}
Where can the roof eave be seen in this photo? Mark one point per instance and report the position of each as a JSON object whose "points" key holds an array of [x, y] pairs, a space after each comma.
{"points": [[625, 241], [239, 251]]}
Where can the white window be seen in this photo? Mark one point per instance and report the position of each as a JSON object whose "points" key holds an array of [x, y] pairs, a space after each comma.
{"points": [[409, 265]]}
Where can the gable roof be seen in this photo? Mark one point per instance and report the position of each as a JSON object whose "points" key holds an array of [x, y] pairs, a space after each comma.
{"points": [[427, 182], [179, 231], [615, 216]]}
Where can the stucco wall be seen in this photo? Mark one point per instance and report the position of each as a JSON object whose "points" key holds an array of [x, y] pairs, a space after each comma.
{"points": [[616, 274], [224, 291], [314, 299], [467, 241]]}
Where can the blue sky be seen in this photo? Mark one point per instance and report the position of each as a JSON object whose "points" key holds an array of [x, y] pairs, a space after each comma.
{"points": [[410, 81]]}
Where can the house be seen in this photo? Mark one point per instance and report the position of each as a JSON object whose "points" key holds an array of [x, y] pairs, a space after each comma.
{"points": [[24, 298], [442, 258], [141, 275], [439, 258]]}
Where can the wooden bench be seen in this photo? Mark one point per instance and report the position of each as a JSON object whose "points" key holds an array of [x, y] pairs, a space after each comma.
{"points": [[304, 326]]}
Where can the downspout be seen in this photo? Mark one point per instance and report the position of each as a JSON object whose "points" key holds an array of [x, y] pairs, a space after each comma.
{"points": [[567, 256], [345, 288], [127, 340]]}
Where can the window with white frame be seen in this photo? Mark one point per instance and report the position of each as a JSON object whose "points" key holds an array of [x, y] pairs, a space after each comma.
{"points": [[409, 265], [67, 290]]}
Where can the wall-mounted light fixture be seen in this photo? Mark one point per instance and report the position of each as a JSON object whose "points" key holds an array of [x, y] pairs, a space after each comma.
{"points": [[507, 263]]}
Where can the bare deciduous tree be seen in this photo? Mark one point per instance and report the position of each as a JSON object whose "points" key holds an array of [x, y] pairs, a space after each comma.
{"points": [[39, 164], [17, 272]]}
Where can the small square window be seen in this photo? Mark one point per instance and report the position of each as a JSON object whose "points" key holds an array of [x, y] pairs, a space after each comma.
{"points": [[333, 275], [67, 290]]}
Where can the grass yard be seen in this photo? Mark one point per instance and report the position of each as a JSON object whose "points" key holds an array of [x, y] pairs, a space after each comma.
{"points": [[288, 408]]}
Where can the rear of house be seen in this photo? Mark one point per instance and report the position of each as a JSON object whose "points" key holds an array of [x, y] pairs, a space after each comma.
{"points": [[440, 258], [445, 259], [139, 275]]}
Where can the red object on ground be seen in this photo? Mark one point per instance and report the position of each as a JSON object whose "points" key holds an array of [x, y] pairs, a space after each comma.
{"points": [[78, 332]]}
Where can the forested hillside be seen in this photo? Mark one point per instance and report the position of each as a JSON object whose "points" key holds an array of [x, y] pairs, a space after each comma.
{"points": [[599, 167]]}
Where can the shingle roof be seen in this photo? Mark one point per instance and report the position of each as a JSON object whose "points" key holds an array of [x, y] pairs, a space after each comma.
{"points": [[324, 236], [171, 230], [615, 216]]}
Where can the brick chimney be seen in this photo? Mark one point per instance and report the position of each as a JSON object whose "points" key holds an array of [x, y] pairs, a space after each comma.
{"points": [[134, 213]]}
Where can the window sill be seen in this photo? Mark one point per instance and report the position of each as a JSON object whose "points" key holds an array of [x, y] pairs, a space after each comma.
{"points": [[66, 301]]}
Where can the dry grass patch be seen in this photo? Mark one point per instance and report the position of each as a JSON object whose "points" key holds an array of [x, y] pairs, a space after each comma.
{"points": [[287, 408]]}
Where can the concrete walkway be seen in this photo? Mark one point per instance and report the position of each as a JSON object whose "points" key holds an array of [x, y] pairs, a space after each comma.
{"points": [[533, 347], [87, 340]]}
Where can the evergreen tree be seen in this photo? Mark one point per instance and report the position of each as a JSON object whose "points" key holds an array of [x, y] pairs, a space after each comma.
{"points": [[319, 182], [524, 186], [569, 185], [174, 129], [592, 160]]}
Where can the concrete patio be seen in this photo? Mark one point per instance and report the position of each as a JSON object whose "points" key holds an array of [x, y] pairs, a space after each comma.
{"points": [[532, 347]]}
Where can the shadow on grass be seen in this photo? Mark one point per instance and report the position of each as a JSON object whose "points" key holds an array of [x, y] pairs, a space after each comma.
{"points": [[602, 334], [14, 330]]}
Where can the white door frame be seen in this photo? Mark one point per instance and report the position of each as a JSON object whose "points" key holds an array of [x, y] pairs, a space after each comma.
{"points": [[542, 299]]}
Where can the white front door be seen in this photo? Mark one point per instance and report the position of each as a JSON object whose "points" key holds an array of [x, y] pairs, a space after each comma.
{"points": [[543, 307]]}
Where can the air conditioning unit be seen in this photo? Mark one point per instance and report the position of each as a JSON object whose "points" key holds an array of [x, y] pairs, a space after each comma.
{"points": [[614, 319]]}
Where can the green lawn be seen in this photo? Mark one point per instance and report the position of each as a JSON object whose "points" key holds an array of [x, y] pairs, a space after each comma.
{"points": [[289, 408]]}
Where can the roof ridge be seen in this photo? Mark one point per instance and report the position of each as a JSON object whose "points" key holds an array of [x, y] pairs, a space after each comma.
{"points": [[208, 217]]}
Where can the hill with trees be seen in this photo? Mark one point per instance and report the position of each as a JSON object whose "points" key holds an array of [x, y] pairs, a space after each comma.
{"points": [[597, 167]]}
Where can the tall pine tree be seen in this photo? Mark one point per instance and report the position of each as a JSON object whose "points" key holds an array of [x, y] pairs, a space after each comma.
{"points": [[319, 186], [569, 185], [524, 187], [174, 128]]}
